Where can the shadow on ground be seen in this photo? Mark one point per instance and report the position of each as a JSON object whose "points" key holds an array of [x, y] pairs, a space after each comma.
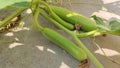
{"points": [[30, 49]]}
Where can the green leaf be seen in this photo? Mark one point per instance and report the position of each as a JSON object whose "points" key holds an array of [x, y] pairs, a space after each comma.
{"points": [[100, 23], [98, 20], [14, 3], [114, 26]]}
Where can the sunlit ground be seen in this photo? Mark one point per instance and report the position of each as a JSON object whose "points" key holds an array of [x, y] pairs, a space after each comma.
{"points": [[104, 13]]}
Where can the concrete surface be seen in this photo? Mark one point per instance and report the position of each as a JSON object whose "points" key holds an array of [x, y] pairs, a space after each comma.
{"points": [[28, 48]]}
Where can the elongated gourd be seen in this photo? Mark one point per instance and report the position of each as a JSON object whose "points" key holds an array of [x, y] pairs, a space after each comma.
{"points": [[73, 18], [64, 43], [56, 17]]}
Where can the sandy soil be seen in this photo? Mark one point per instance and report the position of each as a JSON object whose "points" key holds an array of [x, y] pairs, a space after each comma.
{"points": [[28, 48]]}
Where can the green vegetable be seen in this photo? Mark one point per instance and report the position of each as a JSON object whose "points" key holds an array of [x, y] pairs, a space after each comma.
{"points": [[62, 22], [73, 35], [65, 44], [60, 40], [56, 17], [73, 18]]}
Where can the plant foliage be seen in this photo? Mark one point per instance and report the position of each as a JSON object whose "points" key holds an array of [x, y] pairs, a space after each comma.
{"points": [[14, 3]]}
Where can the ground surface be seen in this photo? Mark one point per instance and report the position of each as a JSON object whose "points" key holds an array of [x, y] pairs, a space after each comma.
{"points": [[28, 48]]}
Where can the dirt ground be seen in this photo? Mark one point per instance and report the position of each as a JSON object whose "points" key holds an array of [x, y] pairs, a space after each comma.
{"points": [[28, 48]]}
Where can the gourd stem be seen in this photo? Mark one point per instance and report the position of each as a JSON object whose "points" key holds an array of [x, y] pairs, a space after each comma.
{"points": [[7, 20], [96, 62], [89, 54], [53, 15], [74, 35], [90, 34], [56, 23], [35, 15]]}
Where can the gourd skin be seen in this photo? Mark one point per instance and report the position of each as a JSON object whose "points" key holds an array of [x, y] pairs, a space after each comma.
{"points": [[74, 18], [65, 44]]}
